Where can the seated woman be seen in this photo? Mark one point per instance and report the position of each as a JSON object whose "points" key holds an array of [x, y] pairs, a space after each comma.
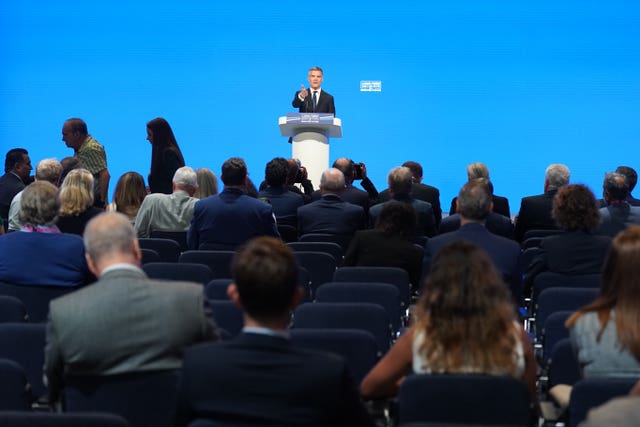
{"points": [[466, 324], [39, 254], [479, 170], [128, 196], [76, 202], [207, 183], [389, 244], [606, 333]]}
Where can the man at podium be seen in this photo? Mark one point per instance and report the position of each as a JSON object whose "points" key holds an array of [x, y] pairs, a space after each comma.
{"points": [[314, 99]]}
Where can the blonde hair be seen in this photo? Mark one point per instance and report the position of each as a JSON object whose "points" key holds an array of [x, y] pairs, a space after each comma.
{"points": [[477, 170], [207, 183], [76, 192]]}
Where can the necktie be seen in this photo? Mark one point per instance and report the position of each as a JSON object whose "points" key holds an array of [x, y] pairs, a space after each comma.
{"points": [[315, 100]]}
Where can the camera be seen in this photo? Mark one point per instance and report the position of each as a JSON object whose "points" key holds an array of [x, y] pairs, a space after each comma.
{"points": [[357, 170], [301, 175]]}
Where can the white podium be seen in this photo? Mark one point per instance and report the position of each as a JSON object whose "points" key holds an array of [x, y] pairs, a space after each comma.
{"points": [[310, 133]]}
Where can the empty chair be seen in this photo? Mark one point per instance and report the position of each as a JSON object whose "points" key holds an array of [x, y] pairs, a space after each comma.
{"points": [[52, 419], [464, 399], [198, 273], [12, 310], [168, 249], [363, 316], [359, 348], [14, 388], [180, 237], [384, 294], [563, 366], [217, 289], [142, 398], [554, 331], [548, 279], [218, 261], [149, 255], [35, 298], [227, 316], [288, 233], [331, 248], [24, 344], [340, 239], [591, 392], [555, 299], [320, 266]]}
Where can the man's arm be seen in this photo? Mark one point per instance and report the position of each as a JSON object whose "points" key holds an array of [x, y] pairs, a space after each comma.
{"points": [[143, 219], [104, 184]]}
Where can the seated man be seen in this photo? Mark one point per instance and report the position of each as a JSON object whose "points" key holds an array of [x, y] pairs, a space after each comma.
{"points": [[125, 322], [260, 378], [169, 212], [285, 203], [618, 213], [17, 167]]}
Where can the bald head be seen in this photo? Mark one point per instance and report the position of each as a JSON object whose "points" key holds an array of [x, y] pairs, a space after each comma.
{"points": [[109, 238], [331, 181], [345, 166]]}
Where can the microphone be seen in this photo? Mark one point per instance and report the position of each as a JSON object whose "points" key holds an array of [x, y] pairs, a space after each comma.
{"points": [[309, 102]]}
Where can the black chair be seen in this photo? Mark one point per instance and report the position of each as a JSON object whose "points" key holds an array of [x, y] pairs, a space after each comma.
{"points": [[12, 310], [563, 366], [149, 255], [227, 316], [531, 242], [541, 233], [320, 266], [14, 388], [548, 279], [204, 423], [218, 261], [24, 344], [217, 289], [332, 249], [555, 299], [36, 298], [168, 249], [180, 237], [464, 399], [288, 233], [359, 348], [554, 331], [198, 273], [591, 392], [52, 419], [340, 239], [142, 398], [213, 246]]}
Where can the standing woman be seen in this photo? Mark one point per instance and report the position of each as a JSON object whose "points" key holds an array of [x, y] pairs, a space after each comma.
{"points": [[166, 156]]}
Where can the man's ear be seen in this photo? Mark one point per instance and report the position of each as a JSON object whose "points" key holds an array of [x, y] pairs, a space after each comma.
{"points": [[91, 265], [137, 253], [491, 207], [457, 206], [234, 295]]}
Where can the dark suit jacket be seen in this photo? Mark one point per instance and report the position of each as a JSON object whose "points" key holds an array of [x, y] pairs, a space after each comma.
{"points": [[230, 218], [497, 224], [617, 217], [422, 192], [535, 214], [500, 206], [263, 380], [373, 248], [10, 185], [76, 224], [330, 215], [425, 221], [284, 203], [325, 103], [354, 195]]}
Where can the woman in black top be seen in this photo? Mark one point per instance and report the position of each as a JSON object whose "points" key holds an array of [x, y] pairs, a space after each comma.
{"points": [[166, 156]]}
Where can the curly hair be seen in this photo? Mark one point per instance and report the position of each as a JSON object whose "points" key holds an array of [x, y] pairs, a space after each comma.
{"points": [[466, 314], [575, 208]]}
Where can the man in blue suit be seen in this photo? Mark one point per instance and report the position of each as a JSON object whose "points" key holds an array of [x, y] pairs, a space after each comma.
{"points": [[474, 206], [230, 218], [260, 378], [618, 214], [284, 203]]}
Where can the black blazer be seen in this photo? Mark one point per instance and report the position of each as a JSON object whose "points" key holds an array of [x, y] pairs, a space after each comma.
{"points": [[325, 103], [262, 380], [500, 206], [497, 224], [10, 185], [423, 192], [535, 214], [330, 215]]}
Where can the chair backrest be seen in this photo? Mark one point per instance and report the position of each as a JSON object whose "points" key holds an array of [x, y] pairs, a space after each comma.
{"points": [[142, 398], [12, 309], [553, 331], [384, 294], [359, 348], [24, 344], [227, 316], [555, 299], [393, 275], [217, 289], [213, 246], [460, 398], [548, 279], [340, 239], [591, 392], [14, 388], [218, 261], [149, 255], [180, 237], [168, 249], [36, 298], [563, 364], [198, 273], [532, 242], [320, 265], [330, 248], [541, 233], [288, 233], [54, 419], [339, 315]]}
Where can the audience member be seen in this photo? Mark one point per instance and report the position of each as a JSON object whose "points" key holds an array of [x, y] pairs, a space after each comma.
{"points": [[389, 244], [297, 175], [259, 378], [39, 254], [68, 164], [169, 212], [230, 218], [535, 211], [126, 322], [284, 203], [465, 323], [617, 214], [46, 170], [17, 167], [166, 157], [632, 179], [400, 182], [207, 183], [76, 202], [351, 194], [479, 170], [606, 333], [128, 196], [91, 154]]}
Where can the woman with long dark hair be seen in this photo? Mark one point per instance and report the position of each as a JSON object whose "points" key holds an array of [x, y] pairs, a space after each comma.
{"points": [[166, 156]]}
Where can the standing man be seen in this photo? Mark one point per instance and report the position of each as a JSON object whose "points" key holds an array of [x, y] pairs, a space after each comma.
{"points": [[17, 167], [92, 155], [314, 99]]}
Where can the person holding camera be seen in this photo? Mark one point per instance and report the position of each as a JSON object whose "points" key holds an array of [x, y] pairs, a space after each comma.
{"points": [[285, 203]]}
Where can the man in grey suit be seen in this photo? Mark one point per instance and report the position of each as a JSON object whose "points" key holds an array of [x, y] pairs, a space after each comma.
{"points": [[124, 322], [618, 214]]}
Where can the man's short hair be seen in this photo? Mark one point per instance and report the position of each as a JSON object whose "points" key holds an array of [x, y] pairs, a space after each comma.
{"points": [[39, 204], [266, 276], [630, 174], [477, 170], [234, 171], [185, 176], [475, 199], [108, 234], [49, 170], [316, 68], [14, 157], [276, 172], [332, 180], [400, 181], [557, 175], [78, 125], [615, 186], [415, 167]]}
